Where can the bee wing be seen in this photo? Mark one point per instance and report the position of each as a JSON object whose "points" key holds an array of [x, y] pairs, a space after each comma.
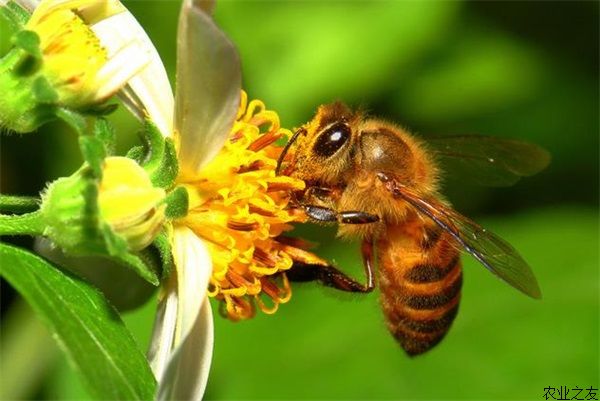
{"points": [[487, 160], [497, 255]]}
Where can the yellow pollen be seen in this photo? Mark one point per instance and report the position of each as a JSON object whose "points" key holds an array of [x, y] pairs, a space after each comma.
{"points": [[241, 209]]}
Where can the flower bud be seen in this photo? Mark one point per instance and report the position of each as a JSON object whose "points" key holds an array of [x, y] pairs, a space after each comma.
{"points": [[129, 203], [119, 213]]}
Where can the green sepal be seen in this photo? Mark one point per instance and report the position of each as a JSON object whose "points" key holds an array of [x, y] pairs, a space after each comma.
{"points": [[15, 15], [154, 144], [137, 153], [43, 92], [28, 61], [117, 249], [70, 210], [29, 42], [177, 203], [152, 258], [105, 132], [20, 110], [163, 245], [157, 156], [164, 177]]}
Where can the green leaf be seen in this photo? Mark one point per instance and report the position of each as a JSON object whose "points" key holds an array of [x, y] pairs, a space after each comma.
{"points": [[163, 245], [86, 326], [43, 91]]}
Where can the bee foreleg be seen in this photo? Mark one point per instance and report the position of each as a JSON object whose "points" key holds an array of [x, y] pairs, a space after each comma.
{"points": [[357, 218], [327, 215], [330, 276], [319, 213]]}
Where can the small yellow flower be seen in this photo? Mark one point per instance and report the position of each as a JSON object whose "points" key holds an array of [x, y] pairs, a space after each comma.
{"points": [[75, 61], [75, 54]]}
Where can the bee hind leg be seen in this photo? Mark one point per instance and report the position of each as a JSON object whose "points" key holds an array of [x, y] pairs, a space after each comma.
{"points": [[331, 276]]}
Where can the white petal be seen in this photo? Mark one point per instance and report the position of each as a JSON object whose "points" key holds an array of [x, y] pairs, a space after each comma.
{"points": [[207, 5], [148, 93], [181, 348], [208, 88], [194, 268], [121, 68], [165, 320], [186, 378]]}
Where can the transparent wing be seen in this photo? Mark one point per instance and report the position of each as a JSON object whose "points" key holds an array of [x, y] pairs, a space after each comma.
{"points": [[487, 160], [497, 255]]}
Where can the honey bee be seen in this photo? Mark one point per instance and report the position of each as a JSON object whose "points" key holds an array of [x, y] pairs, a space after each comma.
{"points": [[381, 185]]}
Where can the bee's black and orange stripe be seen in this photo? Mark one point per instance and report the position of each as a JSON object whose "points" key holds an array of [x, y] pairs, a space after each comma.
{"points": [[420, 282]]}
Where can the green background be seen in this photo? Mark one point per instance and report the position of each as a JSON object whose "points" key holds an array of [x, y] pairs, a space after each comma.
{"points": [[526, 70]]}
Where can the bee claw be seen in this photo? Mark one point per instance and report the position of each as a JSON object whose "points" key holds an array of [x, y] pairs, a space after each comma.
{"points": [[383, 177]]}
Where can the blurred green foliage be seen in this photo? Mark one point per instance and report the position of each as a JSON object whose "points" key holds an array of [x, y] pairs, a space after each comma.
{"points": [[527, 70]]}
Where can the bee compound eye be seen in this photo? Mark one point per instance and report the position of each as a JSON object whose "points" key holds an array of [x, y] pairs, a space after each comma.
{"points": [[332, 139]]}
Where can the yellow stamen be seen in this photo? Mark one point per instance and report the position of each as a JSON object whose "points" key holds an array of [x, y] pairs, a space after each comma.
{"points": [[241, 209]]}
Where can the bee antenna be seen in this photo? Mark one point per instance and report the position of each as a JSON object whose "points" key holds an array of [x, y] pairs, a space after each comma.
{"points": [[286, 148]]}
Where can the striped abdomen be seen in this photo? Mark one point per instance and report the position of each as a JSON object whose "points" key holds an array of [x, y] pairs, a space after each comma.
{"points": [[420, 281]]}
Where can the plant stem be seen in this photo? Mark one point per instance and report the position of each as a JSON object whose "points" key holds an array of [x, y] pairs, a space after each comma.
{"points": [[24, 224], [18, 204]]}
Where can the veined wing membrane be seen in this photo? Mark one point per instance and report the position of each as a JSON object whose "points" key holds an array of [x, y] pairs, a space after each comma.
{"points": [[494, 253], [487, 160]]}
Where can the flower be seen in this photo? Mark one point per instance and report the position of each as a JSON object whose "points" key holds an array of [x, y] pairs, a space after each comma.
{"points": [[229, 245], [73, 58], [239, 207], [74, 54]]}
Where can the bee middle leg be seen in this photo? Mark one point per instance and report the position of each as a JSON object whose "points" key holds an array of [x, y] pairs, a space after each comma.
{"points": [[330, 276]]}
